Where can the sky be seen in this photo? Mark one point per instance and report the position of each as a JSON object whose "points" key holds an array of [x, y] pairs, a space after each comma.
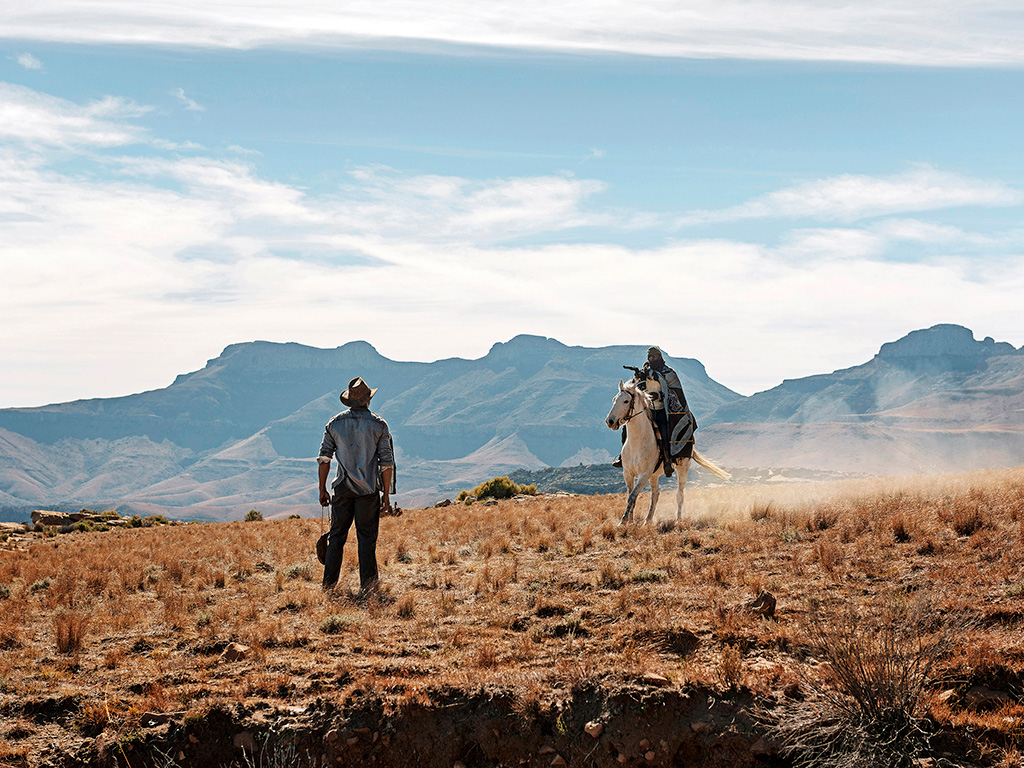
{"points": [[775, 188]]}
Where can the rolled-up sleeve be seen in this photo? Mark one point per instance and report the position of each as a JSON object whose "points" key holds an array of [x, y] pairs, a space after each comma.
{"points": [[326, 448], [385, 456]]}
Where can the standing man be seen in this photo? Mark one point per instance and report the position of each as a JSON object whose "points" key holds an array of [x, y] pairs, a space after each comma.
{"points": [[361, 442]]}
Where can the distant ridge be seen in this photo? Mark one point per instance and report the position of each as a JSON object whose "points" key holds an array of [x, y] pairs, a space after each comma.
{"points": [[934, 400], [242, 431]]}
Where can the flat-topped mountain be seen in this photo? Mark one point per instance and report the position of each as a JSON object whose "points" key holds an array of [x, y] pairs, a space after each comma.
{"points": [[934, 399], [243, 431]]}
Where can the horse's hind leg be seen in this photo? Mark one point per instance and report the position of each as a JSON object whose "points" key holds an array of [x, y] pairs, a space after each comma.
{"points": [[682, 472], [654, 499]]}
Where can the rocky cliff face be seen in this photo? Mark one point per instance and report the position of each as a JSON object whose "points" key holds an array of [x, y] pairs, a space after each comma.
{"points": [[934, 400]]}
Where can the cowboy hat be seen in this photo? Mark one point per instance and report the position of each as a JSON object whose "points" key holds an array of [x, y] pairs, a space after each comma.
{"points": [[358, 393]]}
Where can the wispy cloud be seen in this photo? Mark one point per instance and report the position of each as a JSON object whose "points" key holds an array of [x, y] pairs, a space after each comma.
{"points": [[202, 251], [28, 61], [39, 119], [851, 197], [190, 104], [940, 32]]}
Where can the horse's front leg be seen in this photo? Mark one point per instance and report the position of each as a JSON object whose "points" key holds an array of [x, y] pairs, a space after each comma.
{"points": [[634, 492], [654, 498], [682, 472]]}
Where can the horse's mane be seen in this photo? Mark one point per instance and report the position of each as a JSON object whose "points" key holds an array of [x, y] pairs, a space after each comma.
{"points": [[631, 387]]}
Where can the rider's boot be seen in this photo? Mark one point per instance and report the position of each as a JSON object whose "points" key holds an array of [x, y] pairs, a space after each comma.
{"points": [[617, 461]]}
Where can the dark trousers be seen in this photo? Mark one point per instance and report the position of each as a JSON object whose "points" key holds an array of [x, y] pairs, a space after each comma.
{"points": [[365, 511]]}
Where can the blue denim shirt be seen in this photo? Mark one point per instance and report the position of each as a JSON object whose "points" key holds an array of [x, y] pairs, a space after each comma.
{"points": [[361, 442]]}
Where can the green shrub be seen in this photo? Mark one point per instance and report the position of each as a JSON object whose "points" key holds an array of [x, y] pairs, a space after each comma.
{"points": [[498, 488], [134, 521], [151, 520], [253, 516]]}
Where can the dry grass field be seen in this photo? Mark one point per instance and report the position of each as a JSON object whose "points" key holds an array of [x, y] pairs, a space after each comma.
{"points": [[533, 632]]}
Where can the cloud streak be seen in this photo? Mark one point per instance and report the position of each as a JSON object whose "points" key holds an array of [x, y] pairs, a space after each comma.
{"points": [[852, 197], [946, 32]]}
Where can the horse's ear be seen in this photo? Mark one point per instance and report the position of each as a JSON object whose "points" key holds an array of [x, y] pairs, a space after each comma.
{"points": [[621, 385]]}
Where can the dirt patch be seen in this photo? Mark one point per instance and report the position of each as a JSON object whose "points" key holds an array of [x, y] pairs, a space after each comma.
{"points": [[639, 725]]}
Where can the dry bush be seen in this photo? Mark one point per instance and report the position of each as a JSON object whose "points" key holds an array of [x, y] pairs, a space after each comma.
{"points": [[69, 629], [869, 711]]}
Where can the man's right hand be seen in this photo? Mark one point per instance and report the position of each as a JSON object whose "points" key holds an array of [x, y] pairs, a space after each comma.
{"points": [[325, 497]]}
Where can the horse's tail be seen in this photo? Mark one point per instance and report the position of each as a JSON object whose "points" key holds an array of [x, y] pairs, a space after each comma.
{"points": [[710, 465]]}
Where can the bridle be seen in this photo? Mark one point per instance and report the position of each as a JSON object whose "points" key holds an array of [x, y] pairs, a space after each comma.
{"points": [[632, 404]]}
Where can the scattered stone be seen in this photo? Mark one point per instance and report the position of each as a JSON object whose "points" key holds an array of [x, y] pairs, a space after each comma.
{"points": [[193, 739], [945, 696], [644, 744], [653, 678], [623, 758], [12, 528], [333, 735], [445, 503], [235, 652], [594, 728], [649, 756], [699, 727], [457, 765], [491, 503], [244, 741], [352, 741], [547, 749], [763, 604], [559, 760]]}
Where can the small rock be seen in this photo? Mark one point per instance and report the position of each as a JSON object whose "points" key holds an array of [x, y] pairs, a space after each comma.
{"points": [[547, 749], [763, 604], [649, 756], [235, 652], [559, 760], [445, 503], [362, 731], [491, 503], [458, 765], [644, 744], [244, 741], [192, 739], [352, 741], [594, 728], [623, 758], [333, 735], [945, 696], [653, 678], [699, 727]]}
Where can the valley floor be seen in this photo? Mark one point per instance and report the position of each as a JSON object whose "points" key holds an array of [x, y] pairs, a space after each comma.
{"points": [[534, 632]]}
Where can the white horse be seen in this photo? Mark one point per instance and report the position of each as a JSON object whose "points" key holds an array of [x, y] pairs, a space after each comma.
{"points": [[640, 453]]}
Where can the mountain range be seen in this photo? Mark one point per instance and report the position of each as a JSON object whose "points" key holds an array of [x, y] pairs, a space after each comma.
{"points": [[242, 432]]}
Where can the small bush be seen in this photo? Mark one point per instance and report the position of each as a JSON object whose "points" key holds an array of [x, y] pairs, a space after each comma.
{"points": [[253, 516], [881, 663], [334, 625], [69, 631], [151, 520], [498, 488]]}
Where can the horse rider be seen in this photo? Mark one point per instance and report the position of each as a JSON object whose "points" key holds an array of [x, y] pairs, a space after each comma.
{"points": [[663, 387]]}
